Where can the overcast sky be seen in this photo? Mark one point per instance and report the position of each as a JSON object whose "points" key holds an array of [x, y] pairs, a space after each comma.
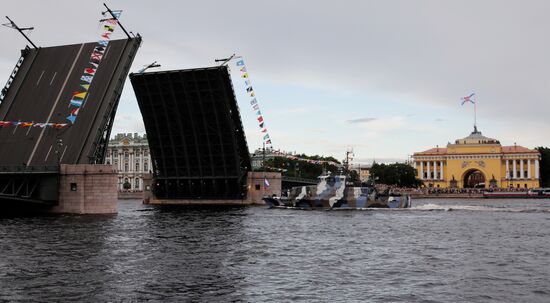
{"points": [[382, 77]]}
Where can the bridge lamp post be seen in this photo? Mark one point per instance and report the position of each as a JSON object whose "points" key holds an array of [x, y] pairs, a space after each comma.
{"points": [[59, 146]]}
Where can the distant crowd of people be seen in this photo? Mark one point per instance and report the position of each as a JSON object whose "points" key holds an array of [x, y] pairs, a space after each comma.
{"points": [[393, 189]]}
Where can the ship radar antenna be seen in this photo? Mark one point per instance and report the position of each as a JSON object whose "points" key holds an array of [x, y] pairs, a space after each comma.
{"points": [[21, 30], [349, 158]]}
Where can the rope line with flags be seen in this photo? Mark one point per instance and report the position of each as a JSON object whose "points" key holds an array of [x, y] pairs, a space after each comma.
{"points": [[79, 97], [32, 124], [253, 101], [290, 156]]}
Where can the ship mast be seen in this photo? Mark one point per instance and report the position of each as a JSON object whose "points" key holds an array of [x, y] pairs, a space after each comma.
{"points": [[349, 157]]}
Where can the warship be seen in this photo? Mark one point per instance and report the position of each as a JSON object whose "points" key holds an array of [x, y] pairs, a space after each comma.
{"points": [[337, 192]]}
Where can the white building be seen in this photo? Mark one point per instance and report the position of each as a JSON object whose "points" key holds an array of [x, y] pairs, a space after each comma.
{"points": [[362, 170], [130, 155], [258, 156]]}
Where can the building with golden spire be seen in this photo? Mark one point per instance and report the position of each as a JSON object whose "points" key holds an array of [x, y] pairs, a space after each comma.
{"points": [[478, 161]]}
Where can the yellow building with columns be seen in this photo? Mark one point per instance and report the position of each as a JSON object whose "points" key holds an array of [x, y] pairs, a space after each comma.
{"points": [[478, 161]]}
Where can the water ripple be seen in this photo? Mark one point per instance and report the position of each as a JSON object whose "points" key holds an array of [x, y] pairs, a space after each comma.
{"points": [[482, 251]]}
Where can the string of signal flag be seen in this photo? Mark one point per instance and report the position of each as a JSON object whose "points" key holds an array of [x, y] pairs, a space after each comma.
{"points": [[79, 97]]}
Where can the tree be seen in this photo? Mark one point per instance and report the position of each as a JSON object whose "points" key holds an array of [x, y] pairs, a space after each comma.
{"points": [[395, 174], [300, 168], [544, 166], [353, 176]]}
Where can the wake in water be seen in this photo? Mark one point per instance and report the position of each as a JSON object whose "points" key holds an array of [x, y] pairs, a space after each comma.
{"points": [[438, 207]]}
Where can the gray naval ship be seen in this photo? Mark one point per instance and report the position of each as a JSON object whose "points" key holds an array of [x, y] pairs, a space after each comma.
{"points": [[335, 192]]}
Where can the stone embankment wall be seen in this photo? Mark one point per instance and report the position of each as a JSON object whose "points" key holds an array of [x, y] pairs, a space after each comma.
{"points": [[257, 189], [447, 196]]}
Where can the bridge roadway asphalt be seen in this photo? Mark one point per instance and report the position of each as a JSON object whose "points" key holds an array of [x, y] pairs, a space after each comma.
{"points": [[41, 93]]}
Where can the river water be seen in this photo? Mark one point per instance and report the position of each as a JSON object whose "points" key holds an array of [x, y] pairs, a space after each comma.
{"points": [[439, 251]]}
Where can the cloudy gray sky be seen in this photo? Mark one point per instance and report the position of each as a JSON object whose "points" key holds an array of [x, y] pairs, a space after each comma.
{"points": [[383, 77]]}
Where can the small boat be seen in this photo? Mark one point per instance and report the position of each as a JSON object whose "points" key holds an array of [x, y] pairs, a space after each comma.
{"points": [[335, 192]]}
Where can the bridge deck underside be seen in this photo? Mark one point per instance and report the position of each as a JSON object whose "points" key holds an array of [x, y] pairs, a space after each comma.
{"points": [[34, 187], [195, 134]]}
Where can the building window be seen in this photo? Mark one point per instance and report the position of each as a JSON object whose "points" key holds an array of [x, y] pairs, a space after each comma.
{"points": [[108, 162], [136, 183], [126, 184], [137, 166], [257, 187], [126, 168], [145, 166]]}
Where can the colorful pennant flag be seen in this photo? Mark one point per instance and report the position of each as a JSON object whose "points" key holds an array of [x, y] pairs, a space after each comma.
{"points": [[80, 95]]}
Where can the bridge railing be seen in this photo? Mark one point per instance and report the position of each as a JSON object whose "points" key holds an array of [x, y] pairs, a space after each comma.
{"points": [[299, 180], [4, 91], [22, 169]]}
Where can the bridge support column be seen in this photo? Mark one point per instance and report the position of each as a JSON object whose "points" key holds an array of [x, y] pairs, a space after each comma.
{"points": [[87, 189], [257, 187]]}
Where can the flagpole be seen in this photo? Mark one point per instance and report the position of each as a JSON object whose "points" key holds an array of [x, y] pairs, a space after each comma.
{"points": [[475, 115], [263, 164]]}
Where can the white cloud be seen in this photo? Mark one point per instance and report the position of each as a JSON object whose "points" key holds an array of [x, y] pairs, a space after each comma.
{"points": [[384, 124], [361, 120]]}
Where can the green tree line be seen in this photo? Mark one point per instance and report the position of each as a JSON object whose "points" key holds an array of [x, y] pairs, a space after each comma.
{"points": [[301, 169], [395, 174]]}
